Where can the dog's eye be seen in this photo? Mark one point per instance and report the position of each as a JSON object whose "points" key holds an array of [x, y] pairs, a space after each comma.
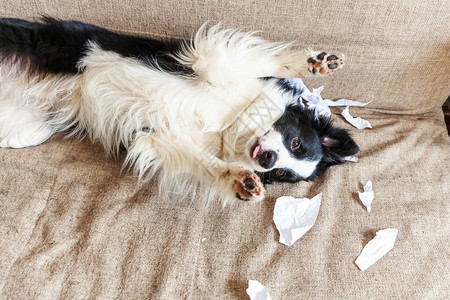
{"points": [[280, 172], [295, 143]]}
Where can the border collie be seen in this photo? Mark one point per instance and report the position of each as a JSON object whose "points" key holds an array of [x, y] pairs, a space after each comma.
{"points": [[173, 105]]}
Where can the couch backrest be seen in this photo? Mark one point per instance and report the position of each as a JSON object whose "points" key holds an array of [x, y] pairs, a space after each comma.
{"points": [[398, 51]]}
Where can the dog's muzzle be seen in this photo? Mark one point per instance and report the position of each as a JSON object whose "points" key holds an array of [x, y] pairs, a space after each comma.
{"points": [[267, 159]]}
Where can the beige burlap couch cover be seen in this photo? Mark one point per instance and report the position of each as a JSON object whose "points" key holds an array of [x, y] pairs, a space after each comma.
{"points": [[73, 227]]}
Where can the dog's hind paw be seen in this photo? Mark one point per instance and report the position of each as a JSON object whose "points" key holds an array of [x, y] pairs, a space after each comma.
{"points": [[246, 185], [321, 63]]}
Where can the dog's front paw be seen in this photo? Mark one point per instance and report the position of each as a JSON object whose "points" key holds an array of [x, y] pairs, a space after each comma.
{"points": [[245, 184], [321, 63]]}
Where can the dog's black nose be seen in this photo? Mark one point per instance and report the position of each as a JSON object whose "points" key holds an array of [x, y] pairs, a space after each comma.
{"points": [[267, 159]]}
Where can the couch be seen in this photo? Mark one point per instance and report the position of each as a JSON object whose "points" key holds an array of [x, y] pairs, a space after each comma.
{"points": [[72, 226]]}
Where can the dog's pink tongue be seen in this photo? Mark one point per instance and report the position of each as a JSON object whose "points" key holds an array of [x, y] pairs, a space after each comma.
{"points": [[255, 152]]}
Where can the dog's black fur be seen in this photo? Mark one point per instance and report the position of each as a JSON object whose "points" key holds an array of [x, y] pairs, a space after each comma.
{"points": [[57, 46]]}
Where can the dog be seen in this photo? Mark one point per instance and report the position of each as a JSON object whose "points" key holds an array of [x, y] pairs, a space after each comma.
{"points": [[166, 102]]}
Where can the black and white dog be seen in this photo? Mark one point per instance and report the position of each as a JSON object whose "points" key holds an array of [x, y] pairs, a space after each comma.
{"points": [[167, 101]]}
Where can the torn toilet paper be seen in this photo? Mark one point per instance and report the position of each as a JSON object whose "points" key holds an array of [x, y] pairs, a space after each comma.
{"points": [[350, 158], [381, 244], [314, 99], [357, 122], [344, 102], [294, 217], [257, 291], [367, 196]]}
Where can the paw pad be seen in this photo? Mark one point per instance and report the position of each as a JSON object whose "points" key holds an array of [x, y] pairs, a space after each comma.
{"points": [[248, 186], [324, 63]]}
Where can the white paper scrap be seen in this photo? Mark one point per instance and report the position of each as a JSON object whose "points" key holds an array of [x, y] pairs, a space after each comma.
{"points": [[314, 99], [344, 102], [350, 158], [204, 239], [357, 122], [294, 217], [367, 196], [257, 291], [381, 244]]}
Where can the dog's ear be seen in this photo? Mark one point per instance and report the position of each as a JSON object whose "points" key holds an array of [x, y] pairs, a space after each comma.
{"points": [[336, 142], [339, 142]]}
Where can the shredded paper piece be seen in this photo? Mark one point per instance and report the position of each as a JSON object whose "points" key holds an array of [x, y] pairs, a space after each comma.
{"points": [[314, 99], [294, 217], [367, 196], [351, 158], [257, 291], [357, 122], [381, 244], [344, 102]]}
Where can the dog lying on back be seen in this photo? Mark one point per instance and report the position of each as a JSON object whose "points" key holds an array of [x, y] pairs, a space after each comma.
{"points": [[167, 102]]}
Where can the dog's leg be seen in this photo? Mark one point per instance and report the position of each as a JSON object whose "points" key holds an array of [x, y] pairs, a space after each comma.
{"points": [[226, 57], [308, 63], [239, 182], [151, 153], [22, 126], [29, 106]]}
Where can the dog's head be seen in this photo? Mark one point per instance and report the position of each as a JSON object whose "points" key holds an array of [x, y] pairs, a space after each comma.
{"points": [[299, 146]]}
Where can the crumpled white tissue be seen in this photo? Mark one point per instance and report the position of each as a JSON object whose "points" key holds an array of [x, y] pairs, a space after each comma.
{"points": [[381, 244], [314, 99], [357, 122], [350, 158], [257, 291], [294, 217], [367, 196]]}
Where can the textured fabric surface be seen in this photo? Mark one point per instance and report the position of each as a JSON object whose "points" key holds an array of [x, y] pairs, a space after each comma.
{"points": [[397, 50], [71, 227]]}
